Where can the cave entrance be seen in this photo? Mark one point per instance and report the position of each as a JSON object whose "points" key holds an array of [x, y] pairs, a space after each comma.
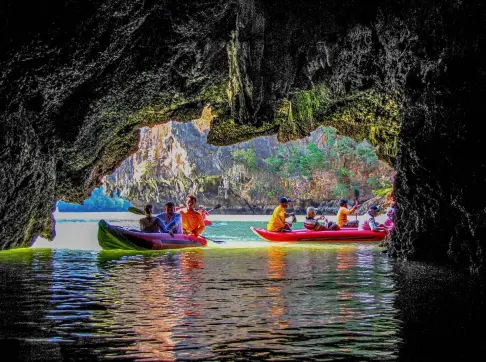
{"points": [[174, 159]]}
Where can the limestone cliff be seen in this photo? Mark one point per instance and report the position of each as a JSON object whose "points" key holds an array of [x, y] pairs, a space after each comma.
{"points": [[80, 78], [174, 160]]}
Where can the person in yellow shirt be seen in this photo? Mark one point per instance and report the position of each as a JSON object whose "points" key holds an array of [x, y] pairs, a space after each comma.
{"points": [[342, 215], [277, 221], [192, 221]]}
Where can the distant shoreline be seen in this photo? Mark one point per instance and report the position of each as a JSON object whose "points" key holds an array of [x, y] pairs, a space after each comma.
{"points": [[121, 215]]}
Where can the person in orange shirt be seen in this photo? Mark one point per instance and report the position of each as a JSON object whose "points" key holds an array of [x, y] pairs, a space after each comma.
{"points": [[192, 221], [342, 215], [277, 221]]}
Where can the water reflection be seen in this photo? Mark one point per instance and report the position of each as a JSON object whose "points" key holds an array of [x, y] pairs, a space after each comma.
{"points": [[276, 270], [341, 302]]}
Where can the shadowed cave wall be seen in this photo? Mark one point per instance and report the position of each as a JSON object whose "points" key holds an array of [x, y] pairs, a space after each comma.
{"points": [[78, 81]]}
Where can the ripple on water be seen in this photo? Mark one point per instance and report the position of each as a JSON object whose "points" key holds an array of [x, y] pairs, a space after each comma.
{"points": [[248, 300]]}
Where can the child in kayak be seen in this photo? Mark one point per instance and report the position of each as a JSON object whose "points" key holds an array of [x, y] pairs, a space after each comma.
{"points": [[312, 223], [277, 221]]}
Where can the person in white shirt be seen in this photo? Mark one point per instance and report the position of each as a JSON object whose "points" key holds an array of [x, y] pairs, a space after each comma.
{"points": [[171, 219]]}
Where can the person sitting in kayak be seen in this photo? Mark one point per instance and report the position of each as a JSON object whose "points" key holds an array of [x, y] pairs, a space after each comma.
{"points": [[312, 223], [370, 223], [390, 214], [172, 220], [342, 215], [277, 221], [203, 211], [152, 224], [192, 221]]}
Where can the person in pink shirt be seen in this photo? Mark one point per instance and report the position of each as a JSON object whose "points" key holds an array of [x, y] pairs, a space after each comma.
{"points": [[390, 217]]}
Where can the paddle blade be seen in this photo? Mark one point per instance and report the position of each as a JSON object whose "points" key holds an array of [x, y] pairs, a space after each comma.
{"points": [[219, 241], [215, 241], [214, 208], [135, 210]]}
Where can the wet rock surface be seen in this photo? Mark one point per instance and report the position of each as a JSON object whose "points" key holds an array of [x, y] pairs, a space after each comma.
{"points": [[78, 81]]}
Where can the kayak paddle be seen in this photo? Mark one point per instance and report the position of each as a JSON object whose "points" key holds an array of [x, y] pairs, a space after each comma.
{"points": [[135, 210], [214, 241], [214, 208], [356, 195]]}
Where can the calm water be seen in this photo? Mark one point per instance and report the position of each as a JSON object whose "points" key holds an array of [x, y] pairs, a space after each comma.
{"points": [[243, 300]]}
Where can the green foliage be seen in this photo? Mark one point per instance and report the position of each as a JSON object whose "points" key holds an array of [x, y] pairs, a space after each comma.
{"points": [[373, 182], [315, 157], [346, 146], [278, 191], [383, 188], [293, 164], [320, 154], [341, 190], [343, 172], [330, 135], [275, 162], [245, 157], [366, 154]]}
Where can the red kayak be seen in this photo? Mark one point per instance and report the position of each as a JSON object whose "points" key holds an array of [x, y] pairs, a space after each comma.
{"points": [[208, 222], [304, 235], [115, 237]]}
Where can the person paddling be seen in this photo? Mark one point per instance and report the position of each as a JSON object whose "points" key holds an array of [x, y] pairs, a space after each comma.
{"points": [[192, 221], [277, 221], [202, 210], [152, 224], [342, 215]]}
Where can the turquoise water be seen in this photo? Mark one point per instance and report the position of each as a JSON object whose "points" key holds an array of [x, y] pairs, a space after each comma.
{"points": [[243, 300]]}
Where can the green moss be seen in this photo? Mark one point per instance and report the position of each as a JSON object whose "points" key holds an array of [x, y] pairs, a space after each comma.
{"points": [[365, 115], [209, 182], [215, 93], [372, 116], [234, 82], [301, 114], [174, 106], [228, 132]]}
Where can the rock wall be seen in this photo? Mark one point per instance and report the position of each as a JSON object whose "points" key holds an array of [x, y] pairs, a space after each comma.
{"points": [[174, 160], [79, 80]]}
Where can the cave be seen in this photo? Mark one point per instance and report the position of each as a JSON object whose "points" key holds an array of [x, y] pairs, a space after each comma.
{"points": [[80, 79]]}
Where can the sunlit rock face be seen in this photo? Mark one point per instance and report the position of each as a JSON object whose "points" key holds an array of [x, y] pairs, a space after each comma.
{"points": [[174, 160], [78, 81]]}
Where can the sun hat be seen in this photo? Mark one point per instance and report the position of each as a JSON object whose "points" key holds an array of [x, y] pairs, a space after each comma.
{"points": [[373, 209]]}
